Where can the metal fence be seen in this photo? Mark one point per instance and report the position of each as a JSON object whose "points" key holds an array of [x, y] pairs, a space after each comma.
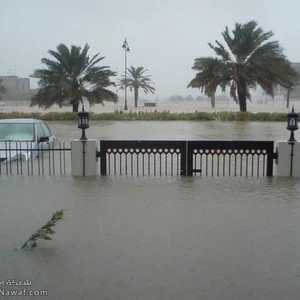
{"points": [[23, 158], [230, 158], [142, 158], [206, 158]]}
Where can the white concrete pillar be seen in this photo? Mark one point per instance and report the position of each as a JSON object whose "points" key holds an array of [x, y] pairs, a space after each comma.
{"points": [[83, 158], [288, 159]]}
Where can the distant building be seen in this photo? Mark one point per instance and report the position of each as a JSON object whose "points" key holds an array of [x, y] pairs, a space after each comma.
{"points": [[16, 84]]}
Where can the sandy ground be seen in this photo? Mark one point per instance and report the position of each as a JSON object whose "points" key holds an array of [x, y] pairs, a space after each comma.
{"points": [[277, 106]]}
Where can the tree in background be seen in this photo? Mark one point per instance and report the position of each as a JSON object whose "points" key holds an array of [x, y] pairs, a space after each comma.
{"points": [[212, 73], [189, 98], [2, 89], [136, 80], [294, 91], [249, 60], [175, 98], [71, 77]]}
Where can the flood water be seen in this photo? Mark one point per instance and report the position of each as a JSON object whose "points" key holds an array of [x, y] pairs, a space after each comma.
{"points": [[156, 238], [170, 130]]}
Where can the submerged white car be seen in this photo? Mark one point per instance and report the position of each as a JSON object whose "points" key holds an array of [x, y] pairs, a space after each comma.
{"points": [[21, 138]]}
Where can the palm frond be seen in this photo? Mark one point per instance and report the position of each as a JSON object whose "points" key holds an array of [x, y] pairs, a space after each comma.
{"points": [[70, 76], [248, 59]]}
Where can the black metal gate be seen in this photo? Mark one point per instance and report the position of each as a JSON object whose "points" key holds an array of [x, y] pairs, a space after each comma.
{"points": [[230, 158], [207, 158], [143, 157]]}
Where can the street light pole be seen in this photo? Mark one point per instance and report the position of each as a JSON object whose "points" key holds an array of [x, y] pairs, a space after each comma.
{"points": [[126, 49]]}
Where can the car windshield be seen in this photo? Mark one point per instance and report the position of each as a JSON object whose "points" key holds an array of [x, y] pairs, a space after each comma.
{"points": [[16, 132]]}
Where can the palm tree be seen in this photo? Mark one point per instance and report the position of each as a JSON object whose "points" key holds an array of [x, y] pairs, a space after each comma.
{"points": [[2, 88], [135, 80], [73, 76], [212, 73], [290, 89], [251, 60]]}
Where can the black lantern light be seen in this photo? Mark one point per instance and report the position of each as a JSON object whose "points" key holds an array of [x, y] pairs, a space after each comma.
{"points": [[292, 124], [83, 122]]}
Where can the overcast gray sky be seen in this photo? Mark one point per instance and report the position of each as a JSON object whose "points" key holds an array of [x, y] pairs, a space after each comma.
{"points": [[165, 36]]}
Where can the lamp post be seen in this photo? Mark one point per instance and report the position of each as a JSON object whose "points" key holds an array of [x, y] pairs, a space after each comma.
{"points": [[126, 49], [292, 124], [83, 123]]}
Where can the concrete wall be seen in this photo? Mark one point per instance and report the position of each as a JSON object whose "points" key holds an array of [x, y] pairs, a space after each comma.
{"points": [[84, 150], [288, 162]]}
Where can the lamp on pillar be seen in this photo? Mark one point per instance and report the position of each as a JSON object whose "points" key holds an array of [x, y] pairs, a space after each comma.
{"points": [[292, 124], [83, 122]]}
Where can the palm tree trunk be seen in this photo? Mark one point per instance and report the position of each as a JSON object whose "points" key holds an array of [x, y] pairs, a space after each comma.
{"points": [[288, 98], [243, 105], [241, 89], [136, 97], [213, 100], [75, 106]]}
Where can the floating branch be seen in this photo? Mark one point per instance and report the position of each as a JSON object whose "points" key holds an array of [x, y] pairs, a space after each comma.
{"points": [[44, 232]]}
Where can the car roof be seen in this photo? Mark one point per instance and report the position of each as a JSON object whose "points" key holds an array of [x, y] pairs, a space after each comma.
{"points": [[20, 121]]}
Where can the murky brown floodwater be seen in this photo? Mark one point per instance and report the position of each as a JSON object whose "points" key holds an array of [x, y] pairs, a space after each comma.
{"points": [[156, 238]]}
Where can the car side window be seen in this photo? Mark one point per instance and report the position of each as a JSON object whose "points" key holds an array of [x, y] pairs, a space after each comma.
{"points": [[40, 131], [46, 130]]}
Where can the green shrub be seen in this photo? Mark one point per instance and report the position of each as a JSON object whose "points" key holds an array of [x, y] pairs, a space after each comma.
{"points": [[152, 116], [63, 116], [245, 116], [20, 115], [226, 116]]}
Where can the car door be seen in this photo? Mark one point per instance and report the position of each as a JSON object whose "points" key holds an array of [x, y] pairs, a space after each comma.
{"points": [[48, 133], [42, 141]]}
